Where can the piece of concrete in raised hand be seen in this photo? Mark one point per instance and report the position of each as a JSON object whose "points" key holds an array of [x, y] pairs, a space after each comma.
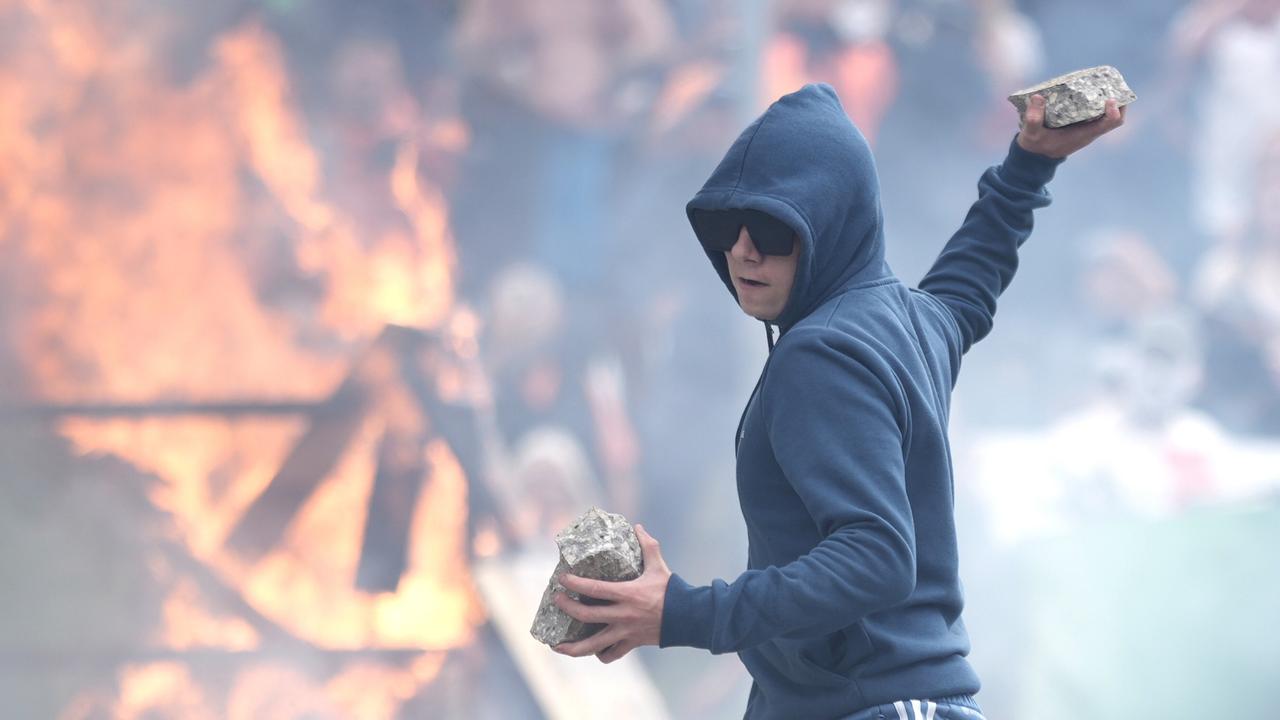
{"points": [[598, 545], [1076, 97]]}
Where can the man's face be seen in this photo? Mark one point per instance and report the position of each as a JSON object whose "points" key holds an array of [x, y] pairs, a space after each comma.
{"points": [[763, 282]]}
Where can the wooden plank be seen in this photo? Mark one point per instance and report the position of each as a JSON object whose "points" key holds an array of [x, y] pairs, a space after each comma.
{"points": [[564, 687], [37, 412], [332, 427], [401, 473]]}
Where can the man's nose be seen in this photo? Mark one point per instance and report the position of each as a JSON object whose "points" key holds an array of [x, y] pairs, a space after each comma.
{"points": [[744, 249]]}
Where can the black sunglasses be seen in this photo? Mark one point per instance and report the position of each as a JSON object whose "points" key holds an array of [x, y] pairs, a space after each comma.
{"points": [[718, 230]]}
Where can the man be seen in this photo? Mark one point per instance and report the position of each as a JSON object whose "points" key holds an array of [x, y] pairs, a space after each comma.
{"points": [[850, 607]]}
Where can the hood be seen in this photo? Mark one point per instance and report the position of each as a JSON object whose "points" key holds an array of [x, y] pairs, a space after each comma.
{"points": [[806, 164]]}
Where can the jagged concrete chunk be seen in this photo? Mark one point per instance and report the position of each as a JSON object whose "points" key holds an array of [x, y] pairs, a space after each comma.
{"points": [[598, 545], [1076, 97]]}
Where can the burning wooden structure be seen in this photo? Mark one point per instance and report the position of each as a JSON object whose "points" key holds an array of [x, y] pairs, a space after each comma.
{"points": [[177, 272], [235, 382]]}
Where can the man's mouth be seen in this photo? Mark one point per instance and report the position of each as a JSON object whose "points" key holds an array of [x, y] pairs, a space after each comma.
{"points": [[752, 283]]}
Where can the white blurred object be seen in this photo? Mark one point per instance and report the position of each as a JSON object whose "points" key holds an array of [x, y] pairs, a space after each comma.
{"points": [[565, 688], [1011, 48], [525, 315], [552, 481], [858, 21], [915, 28], [1096, 467]]}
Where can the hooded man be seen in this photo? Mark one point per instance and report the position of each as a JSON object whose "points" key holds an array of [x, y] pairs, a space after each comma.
{"points": [[850, 606]]}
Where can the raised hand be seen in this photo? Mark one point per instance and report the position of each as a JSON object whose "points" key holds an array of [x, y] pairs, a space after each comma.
{"points": [[1061, 142]]}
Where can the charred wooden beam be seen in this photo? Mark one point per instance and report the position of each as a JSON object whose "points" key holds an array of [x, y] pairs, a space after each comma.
{"points": [[401, 473], [391, 368], [60, 659], [37, 412], [475, 445], [330, 430]]}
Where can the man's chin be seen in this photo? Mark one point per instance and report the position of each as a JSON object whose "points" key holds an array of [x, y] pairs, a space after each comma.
{"points": [[760, 315]]}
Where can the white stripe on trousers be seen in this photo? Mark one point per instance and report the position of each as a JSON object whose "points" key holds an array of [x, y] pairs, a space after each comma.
{"points": [[930, 708]]}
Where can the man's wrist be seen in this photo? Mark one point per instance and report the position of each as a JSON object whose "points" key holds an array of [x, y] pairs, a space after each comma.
{"points": [[1026, 168], [1021, 141], [683, 610]]}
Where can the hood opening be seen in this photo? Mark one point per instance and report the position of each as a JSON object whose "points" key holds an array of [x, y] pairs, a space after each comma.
{"points": [[805, 163]]}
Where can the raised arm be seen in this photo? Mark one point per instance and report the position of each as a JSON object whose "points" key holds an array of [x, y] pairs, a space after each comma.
{"points": [[979, 261]]}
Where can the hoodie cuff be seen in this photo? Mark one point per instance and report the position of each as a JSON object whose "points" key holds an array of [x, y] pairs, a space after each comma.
{"points": [[1028, 169], [686, 615]]}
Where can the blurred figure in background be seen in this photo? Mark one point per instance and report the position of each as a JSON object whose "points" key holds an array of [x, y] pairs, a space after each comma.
{"points": [[1125, 440], [541, 376], [1121, 283], [373, 111], [1010, 51], [944, 52], [1137, 449], [857, 47], [553, 483], [1124, 282], [1238, 291], [839, 42], [1136, 446], [549, 90], [1236, 45]]}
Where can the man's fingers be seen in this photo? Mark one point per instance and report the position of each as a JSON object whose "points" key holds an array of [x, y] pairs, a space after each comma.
{"points": [[650, 549], [592, 645], [1061, 142], [585, 613], [615, 652], [1083, 133], [598, 589], [1112, 118], [1034, 117], [1115, 114]]}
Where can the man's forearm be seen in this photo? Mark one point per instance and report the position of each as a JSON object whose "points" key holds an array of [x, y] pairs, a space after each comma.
{"points": [[980, 259], [847, 576]]}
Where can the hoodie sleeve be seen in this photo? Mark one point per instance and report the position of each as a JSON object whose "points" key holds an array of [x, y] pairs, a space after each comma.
{"points": [[837, 434], [979, 261]]}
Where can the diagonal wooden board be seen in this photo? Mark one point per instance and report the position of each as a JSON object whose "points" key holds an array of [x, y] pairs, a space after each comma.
{"points": [[331, 428], [564, 687]]}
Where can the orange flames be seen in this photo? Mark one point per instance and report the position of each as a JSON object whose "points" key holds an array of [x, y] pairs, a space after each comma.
{"points": [[146, 265]]}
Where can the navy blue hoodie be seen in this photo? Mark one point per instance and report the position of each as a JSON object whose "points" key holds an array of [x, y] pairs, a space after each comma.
{"points": [[852, 596]]}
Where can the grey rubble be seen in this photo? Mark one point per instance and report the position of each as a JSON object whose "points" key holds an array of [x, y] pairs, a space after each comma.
{"points": [[598, 545], [1076, 97]]}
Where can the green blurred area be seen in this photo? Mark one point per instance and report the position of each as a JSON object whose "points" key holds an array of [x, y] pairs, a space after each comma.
{"points": [[1166, 619]]}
